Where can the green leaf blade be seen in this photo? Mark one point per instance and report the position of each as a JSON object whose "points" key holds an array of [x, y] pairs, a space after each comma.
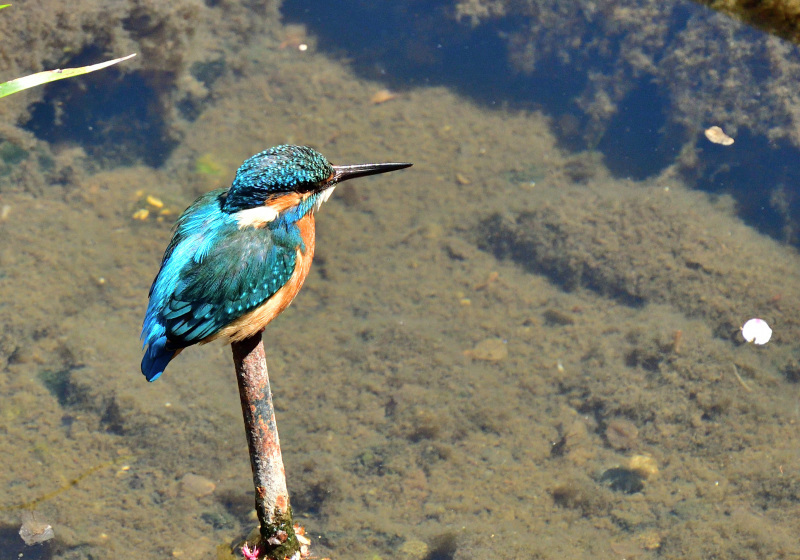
{"points": [[26, 82]]}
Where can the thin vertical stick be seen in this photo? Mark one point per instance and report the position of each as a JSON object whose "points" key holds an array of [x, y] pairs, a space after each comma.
{"points": [[278, 540]]}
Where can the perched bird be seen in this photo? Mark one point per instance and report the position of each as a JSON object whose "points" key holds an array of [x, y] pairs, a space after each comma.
{"points": [[239, 256]]}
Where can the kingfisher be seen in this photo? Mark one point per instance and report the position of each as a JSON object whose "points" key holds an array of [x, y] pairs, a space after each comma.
{"points": [[239, 255]]}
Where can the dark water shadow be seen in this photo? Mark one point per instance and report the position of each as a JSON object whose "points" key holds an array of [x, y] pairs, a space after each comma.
{"points": [[412, 43], [761, 175], [115, 116]]}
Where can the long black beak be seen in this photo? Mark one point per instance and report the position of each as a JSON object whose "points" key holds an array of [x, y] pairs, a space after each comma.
{"points": [[345, 172]]}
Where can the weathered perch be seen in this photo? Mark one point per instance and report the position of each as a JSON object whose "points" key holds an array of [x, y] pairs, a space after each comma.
{"points": [[278, 540]]}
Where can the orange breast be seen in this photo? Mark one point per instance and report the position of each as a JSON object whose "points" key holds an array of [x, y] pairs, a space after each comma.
{"points": [[254, 322]]}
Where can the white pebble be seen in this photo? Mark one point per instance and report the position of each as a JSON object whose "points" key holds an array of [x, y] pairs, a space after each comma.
{"points": [[756, 331], [34, 530], [196, 486], [716, 135]]}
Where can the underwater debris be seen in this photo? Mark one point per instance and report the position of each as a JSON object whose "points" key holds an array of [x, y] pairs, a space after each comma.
{"points": [[620, 479], [716, 135], [621, 433], [196, 486], [382, 96], [756, 331], [643, 465], [489, 350], [35, 530]]}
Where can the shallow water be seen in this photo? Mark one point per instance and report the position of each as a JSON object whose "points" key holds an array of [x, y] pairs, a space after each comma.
{"points": [[525, 346]]}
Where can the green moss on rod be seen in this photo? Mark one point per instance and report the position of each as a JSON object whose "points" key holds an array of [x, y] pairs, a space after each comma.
{"points": [[282, 542]]}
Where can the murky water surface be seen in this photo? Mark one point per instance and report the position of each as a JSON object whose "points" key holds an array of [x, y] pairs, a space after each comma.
{"points": [[525, 346]]}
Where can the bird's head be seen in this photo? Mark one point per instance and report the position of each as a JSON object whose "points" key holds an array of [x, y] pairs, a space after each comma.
{"points": [[295, 171]]}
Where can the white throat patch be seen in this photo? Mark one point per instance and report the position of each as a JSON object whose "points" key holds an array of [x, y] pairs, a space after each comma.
{"points": [[255, 217], [262, 215], [323, 196]]}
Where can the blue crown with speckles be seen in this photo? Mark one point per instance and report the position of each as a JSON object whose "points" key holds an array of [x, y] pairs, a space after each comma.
{"points": [[281, 169]]}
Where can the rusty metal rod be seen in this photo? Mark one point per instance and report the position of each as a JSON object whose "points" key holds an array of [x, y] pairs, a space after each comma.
{"points": [[278, 540]]}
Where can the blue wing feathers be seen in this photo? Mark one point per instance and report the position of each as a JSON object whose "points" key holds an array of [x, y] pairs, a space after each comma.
{"points": [[211, 274], [156, 357]]}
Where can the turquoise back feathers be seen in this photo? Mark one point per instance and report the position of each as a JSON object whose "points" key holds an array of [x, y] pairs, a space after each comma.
{"points": [[212, 273], [234, 249]]}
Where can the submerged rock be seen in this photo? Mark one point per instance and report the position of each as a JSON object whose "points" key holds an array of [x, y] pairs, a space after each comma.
{"points": [[35, 530]]}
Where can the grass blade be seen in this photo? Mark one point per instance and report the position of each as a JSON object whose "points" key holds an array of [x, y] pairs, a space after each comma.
{"points": [[47, 76]]}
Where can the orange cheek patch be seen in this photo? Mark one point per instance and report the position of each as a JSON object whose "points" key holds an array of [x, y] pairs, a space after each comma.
{"points": [[285, 202]]}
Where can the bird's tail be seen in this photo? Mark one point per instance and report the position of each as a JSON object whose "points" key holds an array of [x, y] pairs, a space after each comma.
{"points": [[158, 354]]}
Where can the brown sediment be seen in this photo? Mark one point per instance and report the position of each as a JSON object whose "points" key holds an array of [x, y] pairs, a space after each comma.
{"points": [[400, 437], [779, 17]]}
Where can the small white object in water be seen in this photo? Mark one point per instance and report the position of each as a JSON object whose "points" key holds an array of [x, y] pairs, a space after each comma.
{"points": [[716, 135], [756, 331], [35, 530]]}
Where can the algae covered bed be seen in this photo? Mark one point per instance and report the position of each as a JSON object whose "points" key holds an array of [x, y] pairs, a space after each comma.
{"points": [[525, 346]]}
